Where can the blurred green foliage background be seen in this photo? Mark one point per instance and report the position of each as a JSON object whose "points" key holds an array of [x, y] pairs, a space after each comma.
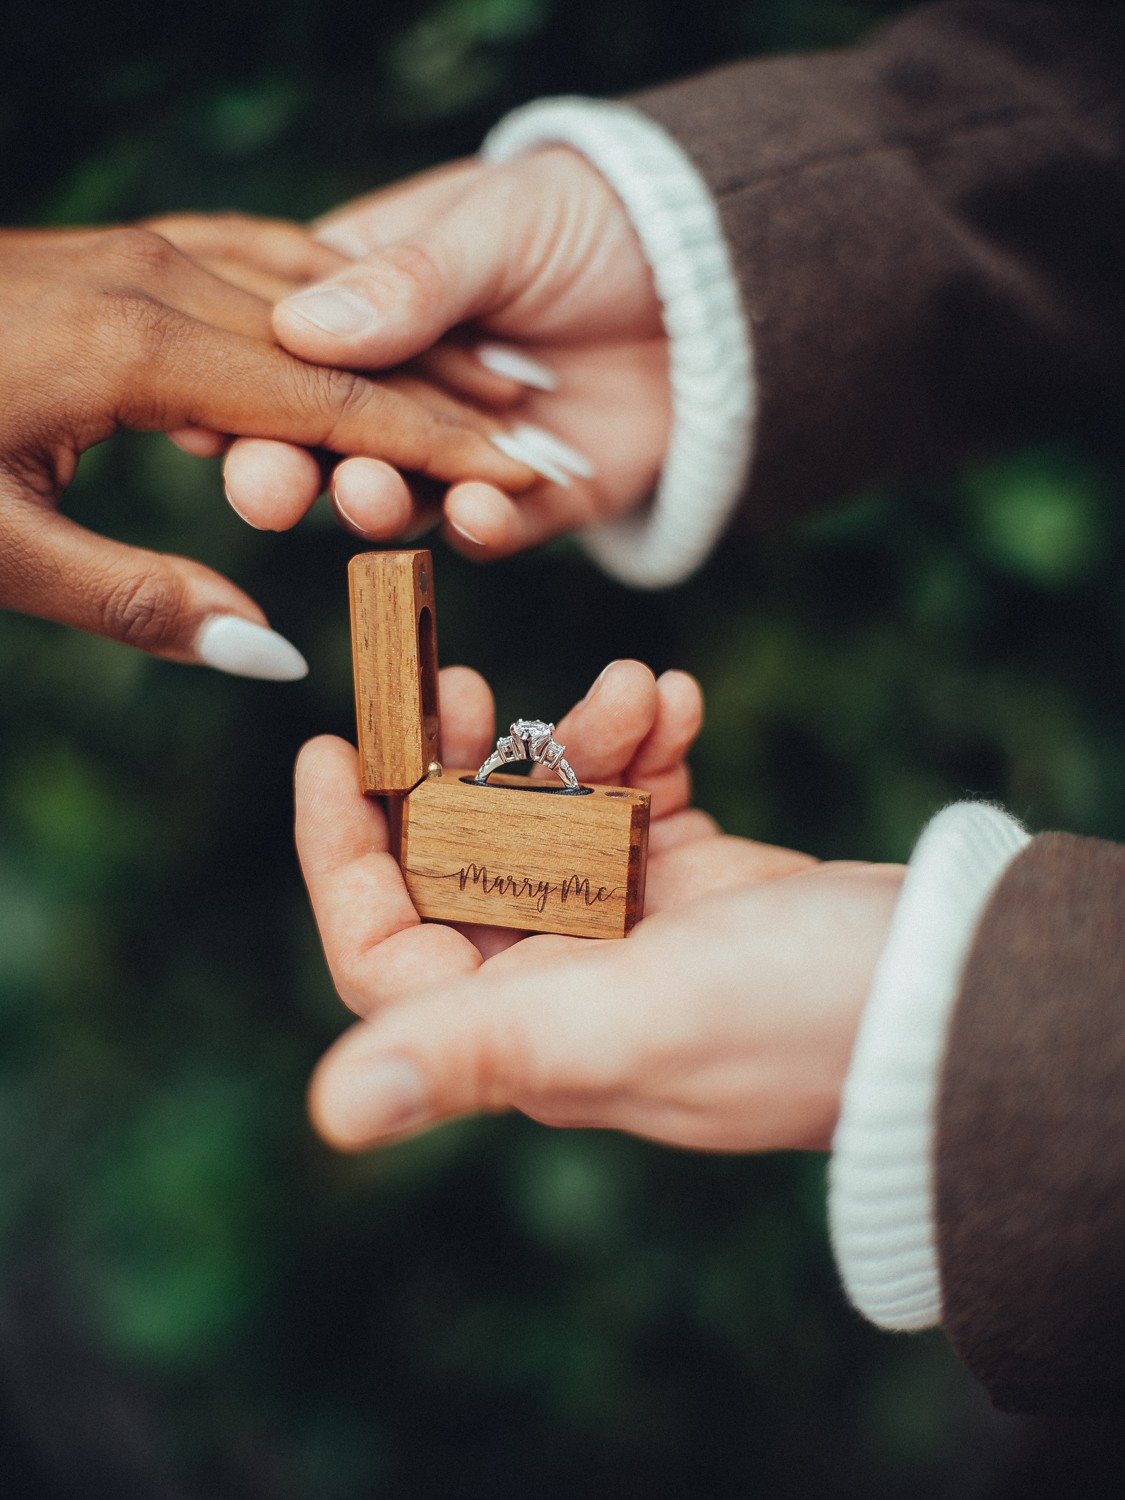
{"points": [[196, 1298]]}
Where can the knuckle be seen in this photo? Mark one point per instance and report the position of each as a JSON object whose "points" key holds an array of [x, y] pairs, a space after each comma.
{"points": [[144, 608], [134, 319], [136, 253], [169, 225], [351, 976], [139, 336], [418, 281], [228, 221], [344, 397]]}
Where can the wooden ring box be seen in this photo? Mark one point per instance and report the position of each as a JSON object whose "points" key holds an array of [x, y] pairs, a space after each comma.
{"points": [[510, 853]]}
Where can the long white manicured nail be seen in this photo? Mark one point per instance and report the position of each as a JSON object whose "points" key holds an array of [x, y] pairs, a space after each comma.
{"points": [[554, 449], [333, 310], [526, 453], [501, 359], [231, 644]]}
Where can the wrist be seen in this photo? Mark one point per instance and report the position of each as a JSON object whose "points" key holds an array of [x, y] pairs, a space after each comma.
{"points": [[614, 294], [881, 1179], [710, 370]]}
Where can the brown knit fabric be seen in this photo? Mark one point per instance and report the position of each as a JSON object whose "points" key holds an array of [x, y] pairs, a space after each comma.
{"points": [[1030, 1169], [929, 232]]}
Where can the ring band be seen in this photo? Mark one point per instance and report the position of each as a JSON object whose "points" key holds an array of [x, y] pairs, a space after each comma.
{"points": [[530, 739]]}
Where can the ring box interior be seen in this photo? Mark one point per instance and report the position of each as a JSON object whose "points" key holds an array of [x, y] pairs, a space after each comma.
{"points": [[509, 852]]}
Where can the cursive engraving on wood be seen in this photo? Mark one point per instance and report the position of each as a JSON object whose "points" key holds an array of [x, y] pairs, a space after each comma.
{"points": [[522, 888]]}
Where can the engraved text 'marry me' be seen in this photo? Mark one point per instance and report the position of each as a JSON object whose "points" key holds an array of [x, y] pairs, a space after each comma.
{"points": [[522, 888]]}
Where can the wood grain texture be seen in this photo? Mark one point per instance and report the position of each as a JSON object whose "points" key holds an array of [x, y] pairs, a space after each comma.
{"points": [[394, 658], [519, 854]]}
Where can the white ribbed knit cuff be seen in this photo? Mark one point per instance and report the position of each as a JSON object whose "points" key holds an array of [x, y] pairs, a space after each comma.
{"points": [[710, 361], [881, 1177]]}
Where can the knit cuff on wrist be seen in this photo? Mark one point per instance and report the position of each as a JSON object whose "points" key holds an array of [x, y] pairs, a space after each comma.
{"points": [[710, 364], [881, 1204]]}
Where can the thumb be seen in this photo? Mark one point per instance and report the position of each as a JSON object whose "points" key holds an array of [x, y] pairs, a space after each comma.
{"points": [[402, 298], [512, 1035], [170, 606]]}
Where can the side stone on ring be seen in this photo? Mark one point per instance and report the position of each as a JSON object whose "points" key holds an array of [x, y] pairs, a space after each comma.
{"points": [[530, 739]]}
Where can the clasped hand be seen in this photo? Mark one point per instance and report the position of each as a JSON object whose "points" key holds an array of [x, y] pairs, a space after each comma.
{"points": [[101, 329]]}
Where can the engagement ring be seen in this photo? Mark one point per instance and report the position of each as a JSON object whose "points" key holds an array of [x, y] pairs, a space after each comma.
{"points": [[530, 739]]}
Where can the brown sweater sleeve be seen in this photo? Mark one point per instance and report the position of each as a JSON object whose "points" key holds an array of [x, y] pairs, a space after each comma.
{"points": [[1030, 1157], [928, 231]]}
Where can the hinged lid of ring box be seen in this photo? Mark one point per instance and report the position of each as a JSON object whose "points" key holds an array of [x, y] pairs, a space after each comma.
{"points": [[394, 657]]}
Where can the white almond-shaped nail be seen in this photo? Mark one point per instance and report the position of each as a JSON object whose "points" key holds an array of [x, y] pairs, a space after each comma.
{"points": [[526, 453], [501, 359], [231, 644], [555, 450]]}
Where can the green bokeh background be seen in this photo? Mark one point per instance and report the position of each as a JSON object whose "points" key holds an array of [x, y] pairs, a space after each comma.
{"points": [[196, 1298]]}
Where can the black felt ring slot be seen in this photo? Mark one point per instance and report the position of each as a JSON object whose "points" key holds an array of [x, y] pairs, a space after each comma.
{"points": [[530, 786]]}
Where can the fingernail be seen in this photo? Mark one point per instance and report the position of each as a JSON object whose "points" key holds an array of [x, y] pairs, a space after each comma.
{"points": [[383, 1098], [554, 449], [467, 536], [333, 310], [342, 512], [524, 453], [242, 516], [503, 360], [230, 644], [597, 682]]}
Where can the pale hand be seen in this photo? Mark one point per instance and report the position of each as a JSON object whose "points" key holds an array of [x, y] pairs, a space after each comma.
{"points": [[537, 253], [724, 1021]]}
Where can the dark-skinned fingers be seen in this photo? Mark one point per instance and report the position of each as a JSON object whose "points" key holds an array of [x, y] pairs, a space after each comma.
{"points": [[275, 248], [173, 371], [170, 606], [544, 452], [135, 267], [252, 279]]}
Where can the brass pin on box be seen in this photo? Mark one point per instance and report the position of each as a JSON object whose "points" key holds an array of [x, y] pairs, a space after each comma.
{"points": [[505, 851]]}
